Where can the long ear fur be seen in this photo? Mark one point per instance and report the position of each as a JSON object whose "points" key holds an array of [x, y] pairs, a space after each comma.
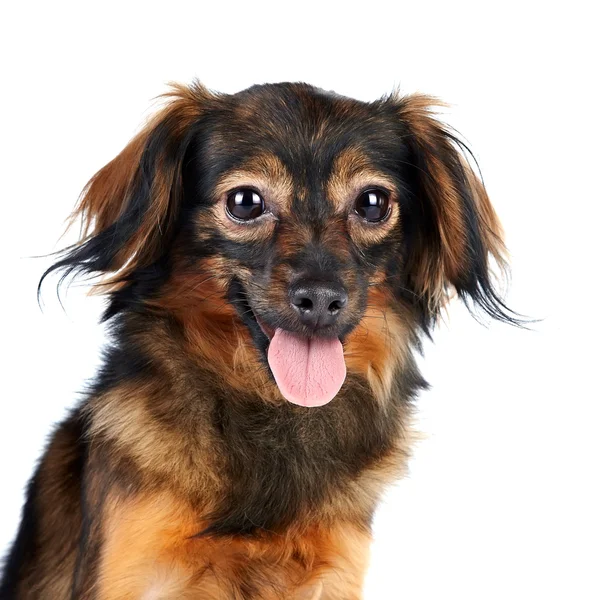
{"points": [[460, 231], [128, 208]]}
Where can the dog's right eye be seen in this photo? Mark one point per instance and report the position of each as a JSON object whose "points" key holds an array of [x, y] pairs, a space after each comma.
{"points": [[245, 204]]}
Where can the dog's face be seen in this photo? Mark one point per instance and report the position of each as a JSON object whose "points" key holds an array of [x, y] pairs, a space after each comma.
{"points": [[318, 232], [298, 194]]}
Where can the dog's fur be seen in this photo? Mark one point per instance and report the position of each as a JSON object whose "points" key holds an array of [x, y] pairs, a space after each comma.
{"points": [[184, 473]]}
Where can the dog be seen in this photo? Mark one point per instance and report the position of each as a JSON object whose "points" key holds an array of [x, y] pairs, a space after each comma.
{"points": [[271, 260]]}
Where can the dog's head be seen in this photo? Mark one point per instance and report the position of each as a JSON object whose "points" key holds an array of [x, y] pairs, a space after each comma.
{"points": [[292, 233]]}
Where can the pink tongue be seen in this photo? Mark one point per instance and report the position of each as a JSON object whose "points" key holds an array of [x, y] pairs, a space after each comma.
{"points": [[308, 371]]}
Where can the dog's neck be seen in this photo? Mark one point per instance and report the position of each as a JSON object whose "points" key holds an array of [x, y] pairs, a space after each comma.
{"points": [[247, 462]]}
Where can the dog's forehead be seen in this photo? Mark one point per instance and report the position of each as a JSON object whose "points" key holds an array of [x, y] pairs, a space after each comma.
{"points": [[307, 113]]}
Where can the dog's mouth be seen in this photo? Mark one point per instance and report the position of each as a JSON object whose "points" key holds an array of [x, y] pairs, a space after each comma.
{"points": [[309, 371]]}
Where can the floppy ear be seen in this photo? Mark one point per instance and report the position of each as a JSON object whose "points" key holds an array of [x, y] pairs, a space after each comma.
{"points": [[455, 233], [128, 209]]}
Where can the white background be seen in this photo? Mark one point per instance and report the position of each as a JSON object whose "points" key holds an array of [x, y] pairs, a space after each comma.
{"points": [[502, 499]]}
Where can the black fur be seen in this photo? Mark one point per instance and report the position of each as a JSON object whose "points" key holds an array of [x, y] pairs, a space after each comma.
{"points": [[282, 461], [219, 141]]}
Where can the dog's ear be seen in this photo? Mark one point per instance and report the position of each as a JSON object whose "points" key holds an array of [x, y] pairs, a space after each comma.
{"points": [[454, 235], [128, 208]]}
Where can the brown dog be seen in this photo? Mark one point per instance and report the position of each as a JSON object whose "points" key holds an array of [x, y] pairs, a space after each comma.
{"points": [[272, 258]]}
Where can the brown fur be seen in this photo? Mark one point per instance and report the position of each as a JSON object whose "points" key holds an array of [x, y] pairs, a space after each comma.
{"points": [[353, 171], [150, 544], [434, 271], [185, 473], [379, 345], [107, 194], [56, 502]]}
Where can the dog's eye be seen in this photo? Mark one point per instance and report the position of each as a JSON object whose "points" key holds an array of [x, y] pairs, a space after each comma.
{"points": [[245, 205], [372, 205]]}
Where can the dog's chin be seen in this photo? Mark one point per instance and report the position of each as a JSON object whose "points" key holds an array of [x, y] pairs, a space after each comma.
{"points": [[308, 367]]}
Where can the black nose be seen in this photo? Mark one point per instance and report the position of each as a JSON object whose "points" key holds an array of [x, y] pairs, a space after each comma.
{"points": [[319, 303]]}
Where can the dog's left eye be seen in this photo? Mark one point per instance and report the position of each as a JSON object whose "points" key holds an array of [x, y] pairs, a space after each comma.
{"points": [[373, 205], [245, 205]]}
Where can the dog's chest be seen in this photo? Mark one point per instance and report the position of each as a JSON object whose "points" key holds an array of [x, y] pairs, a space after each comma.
{"points": [[150, 548]]}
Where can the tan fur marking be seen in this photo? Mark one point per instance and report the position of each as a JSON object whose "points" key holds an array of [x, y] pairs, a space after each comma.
{"points": [[268, 175], [352, 171], [378, 346], [123, 417], [214, 334], [150, 552], [351, 174]]}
